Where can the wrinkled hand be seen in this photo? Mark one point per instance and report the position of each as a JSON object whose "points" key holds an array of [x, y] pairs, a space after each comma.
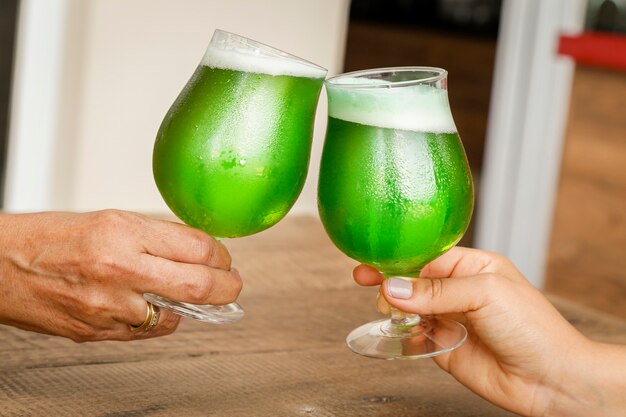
{"points": [[520, 352], [83, 276]]}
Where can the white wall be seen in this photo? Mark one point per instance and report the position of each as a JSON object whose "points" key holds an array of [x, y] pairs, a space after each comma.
{"points": [[122, 63], [529, 107], [35, 111]]}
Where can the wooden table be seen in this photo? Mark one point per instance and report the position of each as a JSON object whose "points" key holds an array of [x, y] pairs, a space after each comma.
{"points": [[286, 358]]}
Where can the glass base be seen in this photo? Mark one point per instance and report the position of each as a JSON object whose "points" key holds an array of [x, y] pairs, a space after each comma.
{"points": [[431, 337], [224, 314]]}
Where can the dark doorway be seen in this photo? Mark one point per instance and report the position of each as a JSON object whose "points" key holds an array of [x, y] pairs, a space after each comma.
{"points": [[8, 25], [458, 35]]}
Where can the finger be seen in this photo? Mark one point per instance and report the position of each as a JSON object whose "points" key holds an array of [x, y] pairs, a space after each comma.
{"points": [[136, 311], [112, 321], [382, 305], [458, 261], [367, 275], [167, 324], [439, 296], [192, 283], [181, 243]]}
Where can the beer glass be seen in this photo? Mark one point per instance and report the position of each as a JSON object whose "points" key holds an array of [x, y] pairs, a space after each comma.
{"points": [[232, 153], [395, 192]]}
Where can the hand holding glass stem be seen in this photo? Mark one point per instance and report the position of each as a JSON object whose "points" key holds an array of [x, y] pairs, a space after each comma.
{"points": [[232, 153], [520, 354], [395, 192]]}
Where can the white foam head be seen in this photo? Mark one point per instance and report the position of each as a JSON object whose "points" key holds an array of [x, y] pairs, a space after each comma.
{"points": [[233, 52], [420, 108]]}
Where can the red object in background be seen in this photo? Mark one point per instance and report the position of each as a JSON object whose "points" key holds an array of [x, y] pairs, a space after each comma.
{"points": [[595, 48]]}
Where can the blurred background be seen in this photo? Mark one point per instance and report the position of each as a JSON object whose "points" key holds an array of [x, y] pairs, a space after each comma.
{"points": [[84, 85]]}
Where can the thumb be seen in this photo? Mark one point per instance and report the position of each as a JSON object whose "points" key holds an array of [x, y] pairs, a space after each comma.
{"points": [[440, 296]]}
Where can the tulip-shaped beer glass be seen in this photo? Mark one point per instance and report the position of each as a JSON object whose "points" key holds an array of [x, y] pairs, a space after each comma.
{"points": [[232, 153], [395, 192]]}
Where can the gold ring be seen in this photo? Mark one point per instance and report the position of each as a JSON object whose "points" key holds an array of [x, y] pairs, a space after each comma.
{"points": [[152, 318]]}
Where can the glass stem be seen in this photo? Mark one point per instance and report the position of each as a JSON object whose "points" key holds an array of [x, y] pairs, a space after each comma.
{"points": [[401, 322], [402, 319]]}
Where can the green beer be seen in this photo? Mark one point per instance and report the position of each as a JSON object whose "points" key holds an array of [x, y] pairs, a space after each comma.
{"points": [[395, 192], [232, 153], [395, 189], [393, 199]]}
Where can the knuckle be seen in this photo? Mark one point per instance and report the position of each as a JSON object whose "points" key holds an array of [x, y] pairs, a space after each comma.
{"points": [[103, 229], [238, 284], [491, 282], [436, 289], [111, 222], [498, 259], [226, 261], [204, 247], [198, 291], [232, 288], [105, 264], [111, 217], [95, 307], [427, 292], [83, 333], [230, 296], [225, 258], [210, 251]]}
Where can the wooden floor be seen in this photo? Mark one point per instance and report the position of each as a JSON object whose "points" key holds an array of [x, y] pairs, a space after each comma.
{"points": [[587, 259]]}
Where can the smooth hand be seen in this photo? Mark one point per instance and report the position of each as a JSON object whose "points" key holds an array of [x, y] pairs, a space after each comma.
{"points": [[521, 354], [83, 276]]}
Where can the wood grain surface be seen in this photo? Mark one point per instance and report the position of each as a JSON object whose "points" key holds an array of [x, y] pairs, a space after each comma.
{"points": [[286, 358]]}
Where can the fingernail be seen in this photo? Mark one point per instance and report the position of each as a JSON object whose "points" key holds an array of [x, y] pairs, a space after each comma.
{"points": [[399, 288], [236, 271]]}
